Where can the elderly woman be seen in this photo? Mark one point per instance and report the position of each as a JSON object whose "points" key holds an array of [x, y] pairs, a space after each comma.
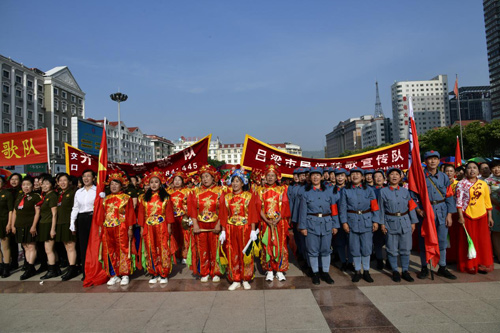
{"points": [[238, 216], [118, 217], [24, 221], [494, 184], [474, 213]]}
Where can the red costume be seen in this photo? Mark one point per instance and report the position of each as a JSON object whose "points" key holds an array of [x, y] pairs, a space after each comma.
{"points": [[179, 198], [237, 214], [154, 217], [118, 215], [273, 203]]}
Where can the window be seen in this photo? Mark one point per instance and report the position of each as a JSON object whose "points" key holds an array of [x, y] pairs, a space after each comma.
{"points": [[6, 126], [40, 117], [56, 91], [64, 106], [6, 74], [19, 79], [6, 89], [6, 108], [31, 127], [19, 127], [65, 136], [19, 93], [40, 88], [73, 110], [80, 101], [80, 112], [30, 84], [56, 150], [30, 98], [63, 94], [30, 114], [40, 100], [73, 98], [56, 104], [64, 121], [56, 119], [56, 134], [19, 111]]}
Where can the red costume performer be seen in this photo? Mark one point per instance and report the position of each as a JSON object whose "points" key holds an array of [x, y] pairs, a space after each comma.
{"points": [[203, 208], [274, 207], [118, 217], [238, 216], [183, 233], [154, 216]]}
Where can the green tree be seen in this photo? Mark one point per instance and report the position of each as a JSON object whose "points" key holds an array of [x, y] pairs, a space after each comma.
{"points": [[215, 163]]}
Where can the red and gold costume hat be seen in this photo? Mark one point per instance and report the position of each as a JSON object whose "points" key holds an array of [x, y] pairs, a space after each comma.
{"points": [[256, 176], [118, 176], [154, 173], [181, 174], [211, 170], [273, 168]]}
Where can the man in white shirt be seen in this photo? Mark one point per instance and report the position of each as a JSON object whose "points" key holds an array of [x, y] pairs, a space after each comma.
{"points": [[82, 213]]}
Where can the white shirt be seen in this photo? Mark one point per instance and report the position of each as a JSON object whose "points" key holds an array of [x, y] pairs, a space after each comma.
{"points": [[84, 203]]}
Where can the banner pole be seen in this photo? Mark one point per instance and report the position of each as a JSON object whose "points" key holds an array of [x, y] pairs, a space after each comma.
{"points": [[48, 151]]}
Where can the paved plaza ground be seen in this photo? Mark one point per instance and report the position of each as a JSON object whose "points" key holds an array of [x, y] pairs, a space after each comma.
{"points": [[469, 304]]}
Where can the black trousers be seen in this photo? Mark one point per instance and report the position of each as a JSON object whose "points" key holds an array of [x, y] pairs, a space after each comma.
{"points": [[83, 225]]}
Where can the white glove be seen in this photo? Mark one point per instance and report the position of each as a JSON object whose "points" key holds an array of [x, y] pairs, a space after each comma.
{"points": [[72, 226], [102, 194], [222, 236], [253, 235]]}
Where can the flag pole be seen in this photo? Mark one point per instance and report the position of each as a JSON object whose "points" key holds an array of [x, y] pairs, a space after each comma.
{"points": [[457, 95]]}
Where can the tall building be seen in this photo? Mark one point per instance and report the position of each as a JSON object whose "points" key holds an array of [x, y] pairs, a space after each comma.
{"points": [[346, 136], [136, 147], [430, 105], [376, 132], [33, 99], [475, 104], [492, 27], [231, 153]]}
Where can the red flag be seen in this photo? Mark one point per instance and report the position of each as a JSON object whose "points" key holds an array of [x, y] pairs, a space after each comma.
{"points": [[458, 155], [417, 184], [455, 90], [94, 273]]}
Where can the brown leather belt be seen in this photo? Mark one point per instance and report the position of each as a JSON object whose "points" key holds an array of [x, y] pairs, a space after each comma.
{"points": [[319, 215], [359, 212], [397, 214], [435, 202]]}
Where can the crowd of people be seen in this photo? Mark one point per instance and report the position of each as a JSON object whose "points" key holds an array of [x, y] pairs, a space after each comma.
{"points": [[219, 225]]}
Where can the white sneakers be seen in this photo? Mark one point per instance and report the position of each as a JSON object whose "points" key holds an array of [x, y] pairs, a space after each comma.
{"points": [[234, 286], [246, 285], [269, 276], [216, 279], [163, 280], [124, 281], [280, 276], [114, 280], [205, 279], [184, 261], [154, 280]]}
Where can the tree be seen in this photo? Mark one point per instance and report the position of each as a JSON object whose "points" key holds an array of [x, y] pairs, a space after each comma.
{"points": [[215, 163]]}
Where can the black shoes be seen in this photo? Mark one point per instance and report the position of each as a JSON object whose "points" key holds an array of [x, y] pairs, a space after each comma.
{"points": [[444, 272], [70, 273], [367, 277], [29, 272], [327, 278], [315, 278], [43, 268], [396, 277], [52, 271], [424, 273], [5, 270], [407, 277], [343, 268], [356, 277], [350, 267]]}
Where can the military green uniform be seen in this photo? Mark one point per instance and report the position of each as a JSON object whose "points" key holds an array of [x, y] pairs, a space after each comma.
{"points": [[6, 206], [64, 206], [25, 215], [45, 224]]}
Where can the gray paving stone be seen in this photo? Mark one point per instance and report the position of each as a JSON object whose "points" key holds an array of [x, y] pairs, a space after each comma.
{"points": [[121, 320], [441, 292], [92, 301], [279, 318], [238, 319], [412, 313], [481, 289], [468, 311], [171, 318], [146, 301], [390, 294], [289, 298], [483, 327], [44, 301], [240, 299], [439, 328], [190, 299]]}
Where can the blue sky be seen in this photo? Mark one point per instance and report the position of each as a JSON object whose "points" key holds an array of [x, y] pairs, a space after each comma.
{"points": [[278, 70]]}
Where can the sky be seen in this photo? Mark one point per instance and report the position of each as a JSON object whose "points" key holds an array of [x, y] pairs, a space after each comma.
{"points": [[278, 70]]}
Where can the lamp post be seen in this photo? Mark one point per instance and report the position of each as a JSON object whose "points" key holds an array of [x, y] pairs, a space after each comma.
{"points": [[119, 97]]}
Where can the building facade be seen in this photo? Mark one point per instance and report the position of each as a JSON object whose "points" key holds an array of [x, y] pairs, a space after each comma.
{"points": [[492, 28], [430, 105], [231, 153], [346, 136], [475, 104], [376, 132], [161, 147], [136, 147]]}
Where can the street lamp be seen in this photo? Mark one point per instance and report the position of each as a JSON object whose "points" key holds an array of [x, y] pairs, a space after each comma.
{"points": [[119, 97]]}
